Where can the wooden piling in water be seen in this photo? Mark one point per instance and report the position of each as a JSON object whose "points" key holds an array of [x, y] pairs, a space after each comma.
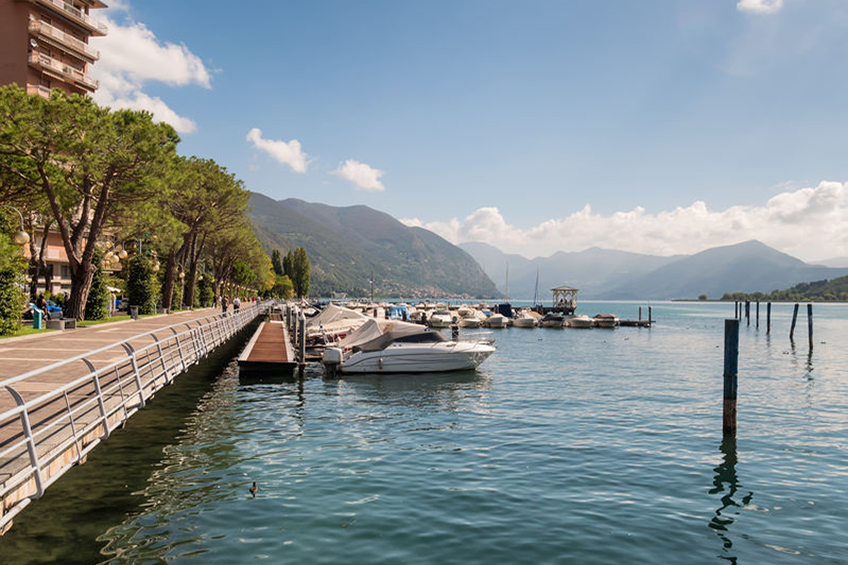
{"points": [[768, 318], [792, 327], [748, 312], [731, 372], [735, 309], [640, 313], [810, 324], [758, 315], [301, 342], [650, 319]]}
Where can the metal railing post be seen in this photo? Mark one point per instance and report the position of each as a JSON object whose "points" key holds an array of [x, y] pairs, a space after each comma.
{"points": [[30, 440], [129, 348], [102, 404]]}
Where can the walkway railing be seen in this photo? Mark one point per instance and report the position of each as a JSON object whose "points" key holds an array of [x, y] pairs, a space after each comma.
{"points": [[49, 432]]}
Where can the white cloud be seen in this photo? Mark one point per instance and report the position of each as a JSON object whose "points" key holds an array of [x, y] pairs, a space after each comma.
{"points": [[810, 223], [289, 153], [131, 56], [759, 6], [360, 174]]}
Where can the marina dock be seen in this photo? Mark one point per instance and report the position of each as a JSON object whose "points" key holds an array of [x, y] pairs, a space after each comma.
{"points": [[63, 393], [269, 351]]}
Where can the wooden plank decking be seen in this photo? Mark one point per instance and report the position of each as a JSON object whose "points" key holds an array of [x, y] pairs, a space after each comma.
{"points": [[269, 352]]}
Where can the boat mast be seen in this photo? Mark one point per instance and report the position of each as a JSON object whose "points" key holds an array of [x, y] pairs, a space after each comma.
{"points": [[536, 293], [506, 285]]}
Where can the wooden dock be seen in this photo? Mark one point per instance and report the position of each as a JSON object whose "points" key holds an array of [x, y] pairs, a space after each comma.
{"points": [[269, 352]]}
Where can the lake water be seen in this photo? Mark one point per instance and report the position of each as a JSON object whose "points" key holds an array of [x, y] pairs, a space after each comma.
{"points": [[567, 446]]}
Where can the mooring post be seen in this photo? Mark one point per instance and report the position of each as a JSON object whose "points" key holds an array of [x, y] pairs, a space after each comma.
{"points": [[768, 318], [758, 314], [640, 313], [810, 324], [731, 372], [792, 327], [735, 309], [649, 316], [302, 341], [748, 312]]}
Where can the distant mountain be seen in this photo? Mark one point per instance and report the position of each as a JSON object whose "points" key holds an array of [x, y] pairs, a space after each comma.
{"points": [[745, 267], [595, 271], [346, 245], [834, 262], [606, 274]]}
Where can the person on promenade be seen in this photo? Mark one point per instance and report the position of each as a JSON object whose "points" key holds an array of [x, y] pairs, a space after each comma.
{"points": [[236, 304], [41, 305], [224, 303]]}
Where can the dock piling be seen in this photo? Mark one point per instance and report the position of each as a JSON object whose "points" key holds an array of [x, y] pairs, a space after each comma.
{"points": [[748, 312], [650, 319], [792, 327], [640, 313], [768, 318], [301, 342], [758, 314], [731, 372], [810, 324]]}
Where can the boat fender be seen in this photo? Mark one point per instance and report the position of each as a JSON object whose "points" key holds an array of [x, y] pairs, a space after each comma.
{"points": [[380, 363]]}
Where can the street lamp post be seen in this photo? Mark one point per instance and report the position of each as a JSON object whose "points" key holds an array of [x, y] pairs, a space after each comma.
{"points": [[22, 237]]}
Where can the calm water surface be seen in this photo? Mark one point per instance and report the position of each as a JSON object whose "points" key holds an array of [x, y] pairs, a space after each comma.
{"points": [[567, 446]]}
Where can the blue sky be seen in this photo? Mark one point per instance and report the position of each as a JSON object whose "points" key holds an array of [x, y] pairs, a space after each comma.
{"points": [[534, 125]]}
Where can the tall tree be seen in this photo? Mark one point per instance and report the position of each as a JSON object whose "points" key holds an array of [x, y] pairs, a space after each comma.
{"points": [[87, 162], [277, 262], [302, 269]]}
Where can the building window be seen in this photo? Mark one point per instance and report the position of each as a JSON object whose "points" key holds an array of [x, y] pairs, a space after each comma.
{"points": [[66, 272]]}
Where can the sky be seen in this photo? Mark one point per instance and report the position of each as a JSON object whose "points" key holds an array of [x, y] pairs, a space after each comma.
{"points": [[658, 126]]}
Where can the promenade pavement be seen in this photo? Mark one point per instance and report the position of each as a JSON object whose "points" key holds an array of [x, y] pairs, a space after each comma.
{"points": [[20, 355]]}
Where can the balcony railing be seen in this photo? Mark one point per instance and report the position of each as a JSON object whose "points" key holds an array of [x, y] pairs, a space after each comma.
{"points": [[46, 30], [77, 15], [68, 71], [38, 89]]}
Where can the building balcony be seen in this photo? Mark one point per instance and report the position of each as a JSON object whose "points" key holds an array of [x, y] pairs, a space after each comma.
{"points": [[65, 40], [76, 15], [65, 72], [38, 89]]}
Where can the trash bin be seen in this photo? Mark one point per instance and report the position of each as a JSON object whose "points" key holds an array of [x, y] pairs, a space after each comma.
{"points": [[134, 312], [36, 319]]}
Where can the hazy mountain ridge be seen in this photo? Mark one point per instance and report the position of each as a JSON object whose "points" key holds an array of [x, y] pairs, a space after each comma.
{"points": [[750, 266], [347, 244]]}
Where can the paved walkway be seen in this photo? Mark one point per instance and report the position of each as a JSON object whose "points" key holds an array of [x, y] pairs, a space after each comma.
{"points": [[19, 355]]}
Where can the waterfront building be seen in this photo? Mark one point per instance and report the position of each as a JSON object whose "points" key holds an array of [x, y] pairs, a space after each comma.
{"points": [[44, 44]]}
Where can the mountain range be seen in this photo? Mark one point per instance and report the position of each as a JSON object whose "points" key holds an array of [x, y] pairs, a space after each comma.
{"points": [[348, 247], [750, 266]]}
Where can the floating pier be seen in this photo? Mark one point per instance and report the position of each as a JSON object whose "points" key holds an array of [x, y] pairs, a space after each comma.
{"points": [[269, 351]]}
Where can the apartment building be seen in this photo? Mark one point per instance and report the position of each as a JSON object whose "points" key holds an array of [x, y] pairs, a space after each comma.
{"points": [[44, 44]]}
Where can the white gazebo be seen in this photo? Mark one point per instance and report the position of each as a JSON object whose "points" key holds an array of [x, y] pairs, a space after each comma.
{"points": [[565, 299]]}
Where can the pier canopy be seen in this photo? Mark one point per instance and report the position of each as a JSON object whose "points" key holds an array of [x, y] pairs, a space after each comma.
{"points": [[565, 298]]}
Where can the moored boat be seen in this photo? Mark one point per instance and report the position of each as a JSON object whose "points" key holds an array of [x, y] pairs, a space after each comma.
{"points": [[404, 348]]}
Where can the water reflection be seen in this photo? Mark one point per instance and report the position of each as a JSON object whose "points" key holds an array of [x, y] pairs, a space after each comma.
{"points": [[726, 484]]}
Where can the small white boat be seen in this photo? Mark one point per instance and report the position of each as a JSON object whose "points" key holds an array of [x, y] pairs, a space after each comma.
{"points": [[404, 348], [581, 321], [524, 320], [552, 321], [608, 321], [440, 319], [497, 321]]}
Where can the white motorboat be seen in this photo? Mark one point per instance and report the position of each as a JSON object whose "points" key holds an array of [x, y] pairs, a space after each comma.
{"points": [[581, 321], [524, 320], [403, 348], [333, 323], [552, 320], [608, 321], [469, 317], [497, 321], [440, 319]]}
